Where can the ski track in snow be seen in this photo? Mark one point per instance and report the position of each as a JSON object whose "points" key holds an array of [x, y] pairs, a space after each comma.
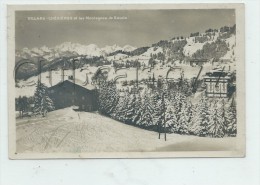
{"points": [[74, 132]]}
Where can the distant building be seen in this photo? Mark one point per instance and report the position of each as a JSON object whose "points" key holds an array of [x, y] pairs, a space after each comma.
{"points": [[67, 94], [198, 62], [218, 84]]}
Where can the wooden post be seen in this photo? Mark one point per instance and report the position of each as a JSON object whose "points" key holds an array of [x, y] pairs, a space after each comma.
{"points": [[159, 130], [39, 70], [74, 78], [164, 121], [62, 75], [50, 76], [153, 79], [137, 74], [164, 117]]}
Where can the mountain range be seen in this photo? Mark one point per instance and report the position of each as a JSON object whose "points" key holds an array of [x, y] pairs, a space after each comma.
{"points": [[68, 49], [213, 44]]}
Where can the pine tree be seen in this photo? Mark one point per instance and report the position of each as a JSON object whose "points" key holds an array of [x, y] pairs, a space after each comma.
{"points": [[177, 102], [170, 118], [231, 121], [120, 109], [190, 109], [159, 111], [133, 109], [42, 101], [146, 118], [216, 120], [182, 113], [204, 111], [108, 97], [130, 111], [195, 120], [137, 110], [200, 118], [184, 118]]}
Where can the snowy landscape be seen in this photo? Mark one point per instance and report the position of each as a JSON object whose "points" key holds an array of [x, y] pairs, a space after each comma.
{"points": [[68, 131], [174, 95]]}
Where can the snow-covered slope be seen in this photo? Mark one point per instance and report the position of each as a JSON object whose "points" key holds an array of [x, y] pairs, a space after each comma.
{"points": [[152, 50], [91, 132], [117, 57], [192, 45], [230, 55], [142, 58]]}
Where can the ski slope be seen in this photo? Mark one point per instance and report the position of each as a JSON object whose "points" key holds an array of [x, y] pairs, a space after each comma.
{"points": [[68, 131]]}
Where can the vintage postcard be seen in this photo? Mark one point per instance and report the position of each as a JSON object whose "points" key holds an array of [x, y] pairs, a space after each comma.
{"points": [[126, 81]]}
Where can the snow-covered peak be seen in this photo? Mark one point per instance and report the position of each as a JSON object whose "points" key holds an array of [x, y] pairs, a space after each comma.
{"points": [[92, 47], [26, 50], [111, 49], [73, 48], [66, 46], [45, 49], [115, 47], [128, 48]]}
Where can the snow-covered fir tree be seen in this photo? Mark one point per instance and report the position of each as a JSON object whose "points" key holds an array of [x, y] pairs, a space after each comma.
{"points": [[231, 121], [121, 108], [130, 109], [137, 110], [216, 120], [108, 97], [170, 118], [178, 105], [42, 102], [190, 114], [201, 118], [168, 110], [159, 111], [146, 118], [183, 118]]}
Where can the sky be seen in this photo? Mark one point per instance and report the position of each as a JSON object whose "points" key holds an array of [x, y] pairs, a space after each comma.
{"points": [[136, 27]]}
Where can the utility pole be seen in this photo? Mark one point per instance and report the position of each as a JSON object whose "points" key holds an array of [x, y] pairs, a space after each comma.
{"points": [[50, 77], [159, 129], [219, 76], [39, 70], [153, 79], [194, 86], [164, 121], [74, 77], [62, 74], [137, 74]]}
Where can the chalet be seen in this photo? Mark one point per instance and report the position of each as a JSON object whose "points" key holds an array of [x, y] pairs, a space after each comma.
{"points": [[67, 93], [218, 84]]}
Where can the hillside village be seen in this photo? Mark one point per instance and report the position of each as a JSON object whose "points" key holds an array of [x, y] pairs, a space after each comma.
{"points": [[184, 85], [216, 47]]}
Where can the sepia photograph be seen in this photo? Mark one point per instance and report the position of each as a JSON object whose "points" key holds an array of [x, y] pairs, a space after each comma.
{"points": [[111, 81]]}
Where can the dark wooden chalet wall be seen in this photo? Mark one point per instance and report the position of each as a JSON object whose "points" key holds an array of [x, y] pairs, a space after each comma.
{"points": [[67, 94]]}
